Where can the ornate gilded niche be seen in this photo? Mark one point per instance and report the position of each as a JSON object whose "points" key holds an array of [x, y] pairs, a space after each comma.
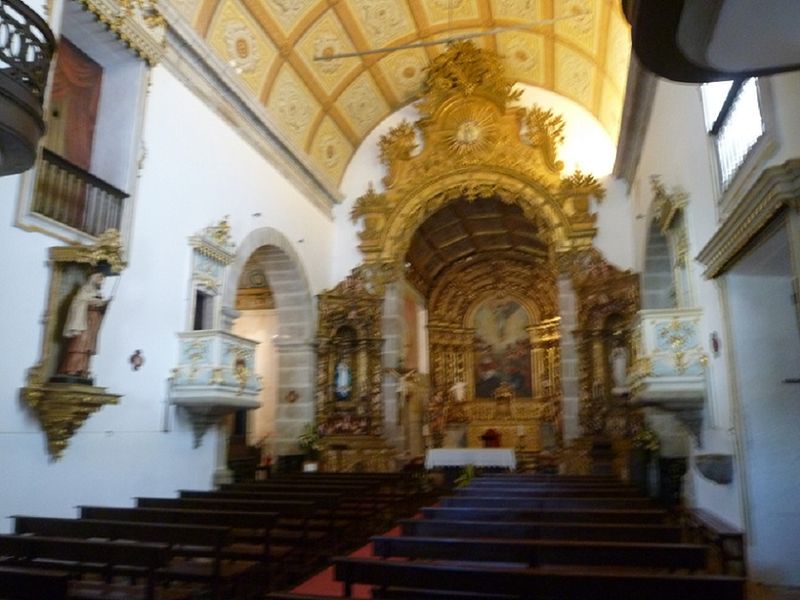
{"points": [[608, 300], [349, 410], [62, 402]]}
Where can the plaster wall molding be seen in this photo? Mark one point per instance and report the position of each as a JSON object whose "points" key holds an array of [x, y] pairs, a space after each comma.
{"points": [[775, 189]]}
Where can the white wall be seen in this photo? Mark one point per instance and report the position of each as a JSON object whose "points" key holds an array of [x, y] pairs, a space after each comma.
{"points": [[677, 148], [766, 350], [197, 171]]}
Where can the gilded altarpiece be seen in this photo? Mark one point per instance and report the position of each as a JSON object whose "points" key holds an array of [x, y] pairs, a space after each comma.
{"points": [[474, 144], [485, 320], [349, 411]]}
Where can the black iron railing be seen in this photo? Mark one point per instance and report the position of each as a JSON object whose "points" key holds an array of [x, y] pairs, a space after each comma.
{"points": [[66, 193], [26, 46]]}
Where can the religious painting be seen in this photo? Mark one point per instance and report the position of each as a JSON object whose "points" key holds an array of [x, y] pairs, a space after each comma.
{"points": [[502, 348]]}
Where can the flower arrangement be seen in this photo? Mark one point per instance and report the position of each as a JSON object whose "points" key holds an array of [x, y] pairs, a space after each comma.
{"points": [[646, 439], [309, 441]]}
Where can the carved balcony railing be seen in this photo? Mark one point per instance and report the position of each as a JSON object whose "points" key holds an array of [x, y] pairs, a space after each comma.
{"points": [[26, 47], [669, 364], [69, 195]]}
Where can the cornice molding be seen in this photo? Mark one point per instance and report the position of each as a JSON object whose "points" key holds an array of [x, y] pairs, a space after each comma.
{"points": [[775, 189], [640, 91], [192, 62]]}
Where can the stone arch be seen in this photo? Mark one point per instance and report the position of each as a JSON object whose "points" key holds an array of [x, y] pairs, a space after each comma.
{"points": [[294, 304], [286, 276]]}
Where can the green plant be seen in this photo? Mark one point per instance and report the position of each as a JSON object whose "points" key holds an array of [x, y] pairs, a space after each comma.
{"points": [[309, 441], [466, 475]]}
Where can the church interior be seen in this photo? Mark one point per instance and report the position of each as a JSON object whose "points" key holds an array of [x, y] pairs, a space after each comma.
{"points": [[253, 239]]}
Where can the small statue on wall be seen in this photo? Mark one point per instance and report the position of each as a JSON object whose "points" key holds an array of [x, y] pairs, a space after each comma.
{"points": [[81, 329], [619, 369], [343, 380]]}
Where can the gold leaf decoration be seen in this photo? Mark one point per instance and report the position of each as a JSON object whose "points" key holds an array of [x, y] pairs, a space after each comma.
{"points": [[465, 69]]}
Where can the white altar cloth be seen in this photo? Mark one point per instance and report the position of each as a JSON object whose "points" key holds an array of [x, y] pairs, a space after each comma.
{"points": [[479, 457]]}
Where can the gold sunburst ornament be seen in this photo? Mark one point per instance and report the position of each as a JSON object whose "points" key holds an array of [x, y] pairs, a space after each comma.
{"points": [[473, 131]]}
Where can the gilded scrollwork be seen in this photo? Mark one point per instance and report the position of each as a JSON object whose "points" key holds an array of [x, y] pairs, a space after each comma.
{"points": [[468, 114], [137, 23], [546, 131]]}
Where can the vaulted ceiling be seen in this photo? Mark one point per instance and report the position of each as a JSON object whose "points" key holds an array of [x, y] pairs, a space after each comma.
{"points": [[464, 231], [326, 108]]}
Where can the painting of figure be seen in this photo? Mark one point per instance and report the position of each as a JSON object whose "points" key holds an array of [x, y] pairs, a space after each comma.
{"points": [[502, 348]]}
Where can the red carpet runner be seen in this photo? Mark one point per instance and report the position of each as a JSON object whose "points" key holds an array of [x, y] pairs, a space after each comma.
{"points": [[323, 582]]}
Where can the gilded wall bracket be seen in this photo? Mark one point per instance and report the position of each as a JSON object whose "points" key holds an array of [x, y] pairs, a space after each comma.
{"points": [[63, 408]]}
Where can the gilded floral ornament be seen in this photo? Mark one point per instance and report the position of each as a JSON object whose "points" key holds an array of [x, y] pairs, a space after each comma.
{"points": [[373, 207], [398, 144], [465, 69], [546, 131]]}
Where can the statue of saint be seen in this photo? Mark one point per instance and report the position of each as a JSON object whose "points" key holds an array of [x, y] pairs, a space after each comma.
{"points": [[619, 367], [343, 380], [84, 318]]}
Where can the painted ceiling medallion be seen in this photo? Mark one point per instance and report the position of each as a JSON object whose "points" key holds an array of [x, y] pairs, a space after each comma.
{"points": [[242, 47]]}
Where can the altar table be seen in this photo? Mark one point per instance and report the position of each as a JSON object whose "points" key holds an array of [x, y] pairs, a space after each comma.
{"points": [[479, 457]]}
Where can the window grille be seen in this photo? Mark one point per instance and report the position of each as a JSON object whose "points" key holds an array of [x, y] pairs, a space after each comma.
{"points": [[733, 117]]}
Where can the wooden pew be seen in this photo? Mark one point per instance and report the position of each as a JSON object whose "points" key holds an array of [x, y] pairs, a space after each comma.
{"points": [[364, 498], [20, 583], [546, 503], [672, 557], [339, 523], [546, 516], [612, 532], [291, 529], [101, 558], [197, 550], [560, 492], [563, 584], [256, 545]]}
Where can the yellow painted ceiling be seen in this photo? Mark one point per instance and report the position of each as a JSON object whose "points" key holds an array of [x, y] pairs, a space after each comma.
{"points": [[328, 107]]}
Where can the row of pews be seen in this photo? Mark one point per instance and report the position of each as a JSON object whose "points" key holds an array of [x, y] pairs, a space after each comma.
{"points": [[536, 536], [240, 541]]}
